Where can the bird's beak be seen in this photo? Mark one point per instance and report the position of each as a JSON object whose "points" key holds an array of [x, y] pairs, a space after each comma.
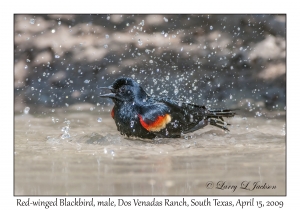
{"points": [[109, 95], [109, 87]]}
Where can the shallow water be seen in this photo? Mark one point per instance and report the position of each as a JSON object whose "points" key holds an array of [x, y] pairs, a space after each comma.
{"points": [[74, 154]]}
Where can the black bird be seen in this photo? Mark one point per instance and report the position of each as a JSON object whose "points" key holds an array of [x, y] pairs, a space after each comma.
{"points": [[138, 114]]}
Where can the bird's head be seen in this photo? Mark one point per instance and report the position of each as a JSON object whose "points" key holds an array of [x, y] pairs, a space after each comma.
{"points": [[125, 90]]}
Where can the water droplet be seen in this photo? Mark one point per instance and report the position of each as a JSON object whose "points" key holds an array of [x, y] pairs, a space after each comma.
{"points": [[26, 110], [105, 46], [258, 114], [32, 21], [211, 27], [176, 91], [108, 17], [27, 60], [151, 61], [166, 19], [25, 66], [59, 23], [86, 81], [65, 129], [230, 97], [106, 36], [65, 136], [53, 31], [131, 124], [57, 56], [142, 23]]}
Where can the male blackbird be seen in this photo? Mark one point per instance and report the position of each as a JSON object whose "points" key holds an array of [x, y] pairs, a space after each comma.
{"points": [[138, 114]]}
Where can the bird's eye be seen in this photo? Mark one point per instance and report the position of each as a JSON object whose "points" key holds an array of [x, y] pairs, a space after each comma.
{"points": [[122, 89]]}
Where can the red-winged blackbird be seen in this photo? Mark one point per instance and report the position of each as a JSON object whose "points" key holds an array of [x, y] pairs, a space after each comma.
{"points": [[140, 115]]}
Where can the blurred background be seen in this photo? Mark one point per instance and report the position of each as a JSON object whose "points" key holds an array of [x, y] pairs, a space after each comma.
{"points": [[215, 60]]}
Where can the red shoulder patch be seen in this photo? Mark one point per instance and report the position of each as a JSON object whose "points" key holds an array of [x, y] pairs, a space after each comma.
{"points": [[113, 112], [159, 123]]}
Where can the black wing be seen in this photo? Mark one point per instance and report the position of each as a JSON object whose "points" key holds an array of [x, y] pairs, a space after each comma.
{"points": [[193, 117]]}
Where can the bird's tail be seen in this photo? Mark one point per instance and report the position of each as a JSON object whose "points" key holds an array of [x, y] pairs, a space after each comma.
{"points": [[215, 117]]}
